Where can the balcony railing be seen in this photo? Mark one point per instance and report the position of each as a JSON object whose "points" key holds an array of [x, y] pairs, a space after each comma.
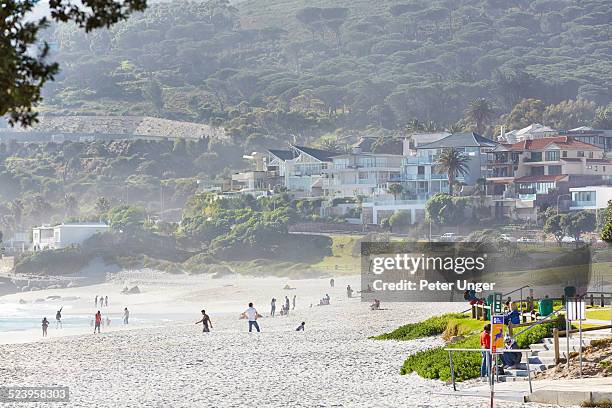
{"points": [[590, 203]]}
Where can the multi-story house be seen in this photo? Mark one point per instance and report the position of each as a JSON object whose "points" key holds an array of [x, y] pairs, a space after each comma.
{"points": [[553, 164], [600, 138], [365, 171], [300, 168], [421, 175]]}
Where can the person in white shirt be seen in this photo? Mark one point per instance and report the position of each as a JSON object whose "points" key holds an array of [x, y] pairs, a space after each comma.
{"points": [[252, 315]]}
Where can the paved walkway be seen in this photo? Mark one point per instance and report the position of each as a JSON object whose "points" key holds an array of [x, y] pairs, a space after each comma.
{"points": [[559, 392]]}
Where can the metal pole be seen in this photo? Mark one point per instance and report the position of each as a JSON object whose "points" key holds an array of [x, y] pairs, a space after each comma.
{"points": [[529, 374], [568, 327], [492, 383], [580, 345], [521, 304], [452, 367]]}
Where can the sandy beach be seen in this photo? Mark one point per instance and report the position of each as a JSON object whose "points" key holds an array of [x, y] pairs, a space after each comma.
{"points": [[172, 363]]}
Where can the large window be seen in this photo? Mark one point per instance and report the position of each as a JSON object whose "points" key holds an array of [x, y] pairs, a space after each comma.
{"points": [[552, 155], [554, 170], [583, 197]]}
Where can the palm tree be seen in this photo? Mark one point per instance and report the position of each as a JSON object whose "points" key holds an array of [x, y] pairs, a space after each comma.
{"points": [[453, 162], [480, 112]]}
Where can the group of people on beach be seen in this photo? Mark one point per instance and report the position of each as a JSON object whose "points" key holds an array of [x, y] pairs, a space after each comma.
{"points": [[58, 322], [97, 320], [103, 301], [251, 314], [284, 309]]}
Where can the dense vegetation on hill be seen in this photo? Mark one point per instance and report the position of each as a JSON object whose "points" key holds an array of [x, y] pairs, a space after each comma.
{"points": [[283, 70]]}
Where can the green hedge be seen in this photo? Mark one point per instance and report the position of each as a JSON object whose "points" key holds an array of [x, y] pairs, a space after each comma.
{"points": [[430, 327], [434, 363]]}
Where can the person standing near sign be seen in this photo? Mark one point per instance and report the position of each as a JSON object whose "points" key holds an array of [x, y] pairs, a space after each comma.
{"points": [[485, 344]]}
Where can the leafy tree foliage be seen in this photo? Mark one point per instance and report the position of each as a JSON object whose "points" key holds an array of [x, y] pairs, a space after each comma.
{"points": [[444, 209], [23, 72], [273, 71]]}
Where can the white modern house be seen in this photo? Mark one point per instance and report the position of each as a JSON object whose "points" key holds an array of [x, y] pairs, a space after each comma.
{"points": [[64, 235], [365, 171], [300, 168], [590, 198]]}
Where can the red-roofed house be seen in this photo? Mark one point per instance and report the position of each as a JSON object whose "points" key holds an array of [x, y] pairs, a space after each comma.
{"points": [[543, 166]]}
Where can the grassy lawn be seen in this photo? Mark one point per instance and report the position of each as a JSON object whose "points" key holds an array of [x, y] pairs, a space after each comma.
{"points": [[345, 258], [598, 314]]}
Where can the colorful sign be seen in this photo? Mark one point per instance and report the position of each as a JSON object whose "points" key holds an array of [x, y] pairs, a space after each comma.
{"points": [[497, 333]]}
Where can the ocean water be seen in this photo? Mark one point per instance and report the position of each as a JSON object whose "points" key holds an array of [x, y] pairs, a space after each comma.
{"points": [[15, 323]]}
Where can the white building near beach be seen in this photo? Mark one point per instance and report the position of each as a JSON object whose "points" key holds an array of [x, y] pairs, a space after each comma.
{"points": [[64, 235]]}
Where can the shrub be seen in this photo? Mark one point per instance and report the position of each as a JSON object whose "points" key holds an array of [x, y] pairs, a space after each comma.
{"points": [[434, 363], [430, 327]]}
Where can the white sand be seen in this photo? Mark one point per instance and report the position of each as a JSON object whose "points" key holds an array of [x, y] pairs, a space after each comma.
{"points": [[175, 365]]}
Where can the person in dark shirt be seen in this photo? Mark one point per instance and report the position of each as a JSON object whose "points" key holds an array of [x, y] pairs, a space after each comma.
{"points": [[205, 322], [301, 327]]}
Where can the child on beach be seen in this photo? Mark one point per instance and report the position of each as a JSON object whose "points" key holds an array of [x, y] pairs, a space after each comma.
{"points": [[485, 344], [45, 324], [349, 291], [126, 315], [98, 318], [205, 322], [273, 307], [294, 296], [301, 327]]}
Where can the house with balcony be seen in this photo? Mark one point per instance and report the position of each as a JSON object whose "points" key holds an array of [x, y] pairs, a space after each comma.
{"points": [[300, 169], [539, 166], [420, 173], [366, 171]]}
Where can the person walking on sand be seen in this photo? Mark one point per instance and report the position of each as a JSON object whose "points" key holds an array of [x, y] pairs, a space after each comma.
{"points": [[332, 282], [205, 322], [252, 315], [126, 316], [273, 307], [349, 291], [106, 301], [286, 305], [58, 318], [294, 296], [96, 301], [98, 318], [45, 324], [301, 327]]}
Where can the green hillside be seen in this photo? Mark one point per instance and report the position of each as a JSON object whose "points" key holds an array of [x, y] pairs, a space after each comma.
{"points": [[272, 70]]}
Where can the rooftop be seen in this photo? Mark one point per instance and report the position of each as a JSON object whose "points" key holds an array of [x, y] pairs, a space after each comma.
{"points": [[467, 139], [282, 154], [370, 145], [323, 155], [563, 142], [540, 179]]}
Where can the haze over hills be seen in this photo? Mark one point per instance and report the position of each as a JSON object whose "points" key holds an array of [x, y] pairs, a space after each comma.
{"points": [[277, 71]]}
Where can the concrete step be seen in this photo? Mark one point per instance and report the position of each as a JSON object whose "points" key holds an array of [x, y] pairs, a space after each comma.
{"points": [[539, 347], [510, 378]]}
